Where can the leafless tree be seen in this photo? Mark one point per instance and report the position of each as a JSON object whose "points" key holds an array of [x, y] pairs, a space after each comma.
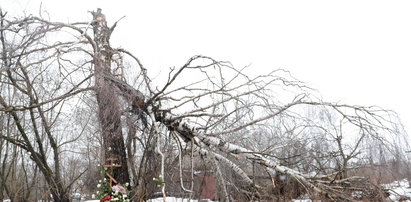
{"points": [[206, 112], [37, 80]]}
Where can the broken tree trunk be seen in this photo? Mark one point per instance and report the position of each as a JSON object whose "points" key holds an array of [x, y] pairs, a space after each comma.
{"points": [[109, 112]]}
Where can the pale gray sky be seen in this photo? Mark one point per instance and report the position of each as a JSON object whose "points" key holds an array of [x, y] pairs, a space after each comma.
{"points": [[356, 52]]}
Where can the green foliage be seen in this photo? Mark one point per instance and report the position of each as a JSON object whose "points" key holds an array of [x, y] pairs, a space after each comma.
{"points": [[160, 181]]}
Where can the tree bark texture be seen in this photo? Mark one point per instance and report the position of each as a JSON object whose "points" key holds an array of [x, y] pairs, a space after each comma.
{"points": [[109, 112]]}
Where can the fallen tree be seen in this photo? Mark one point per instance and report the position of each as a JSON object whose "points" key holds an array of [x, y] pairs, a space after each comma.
{"points": [[206, 108]]}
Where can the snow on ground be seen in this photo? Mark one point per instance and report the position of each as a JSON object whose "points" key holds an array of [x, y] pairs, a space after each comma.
{"points": [[399, 190], [173, 199], [303, 198], [168, 199]]}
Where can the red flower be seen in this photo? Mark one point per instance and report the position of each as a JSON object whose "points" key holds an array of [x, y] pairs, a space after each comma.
{"points": [[106, 198]]}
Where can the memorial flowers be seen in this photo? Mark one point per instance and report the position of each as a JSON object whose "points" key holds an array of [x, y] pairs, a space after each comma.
{"points": [[112, 193], [106, 192]]}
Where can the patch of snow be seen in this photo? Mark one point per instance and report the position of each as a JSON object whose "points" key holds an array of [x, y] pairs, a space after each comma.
{"points": [[168, 199], [302, 198], [399, 190], [357, 194], [174, 199]]}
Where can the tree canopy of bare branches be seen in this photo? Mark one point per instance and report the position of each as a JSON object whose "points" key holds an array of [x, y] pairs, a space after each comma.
{"points": [[62, 83]]}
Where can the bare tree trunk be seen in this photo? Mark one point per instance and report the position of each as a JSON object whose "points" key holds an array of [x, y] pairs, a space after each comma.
{"points": [[109, 112]]}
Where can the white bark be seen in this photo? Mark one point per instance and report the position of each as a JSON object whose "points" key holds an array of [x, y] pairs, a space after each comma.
{"points": [[213, 142], [159, 152]]}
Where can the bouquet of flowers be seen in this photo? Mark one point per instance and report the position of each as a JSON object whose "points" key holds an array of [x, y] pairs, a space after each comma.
{"points": [[115, 193]]}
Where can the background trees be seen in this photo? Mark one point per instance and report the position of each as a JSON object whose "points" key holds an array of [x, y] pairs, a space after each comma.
{"points": [[257, 135], [37, 79]]}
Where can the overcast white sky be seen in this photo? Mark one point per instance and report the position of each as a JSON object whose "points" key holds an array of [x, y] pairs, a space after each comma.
{"points": [[352, 51]]}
